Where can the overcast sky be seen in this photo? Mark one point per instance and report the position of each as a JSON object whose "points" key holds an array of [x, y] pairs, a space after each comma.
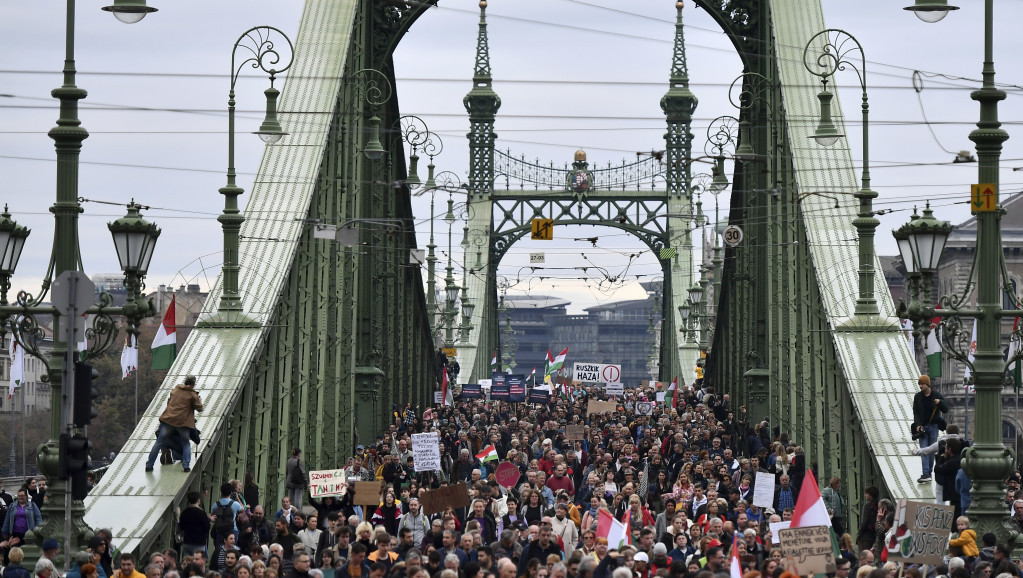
{"points": [[571, 74]]}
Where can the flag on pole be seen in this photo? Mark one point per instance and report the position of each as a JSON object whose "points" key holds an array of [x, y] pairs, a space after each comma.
{"points": [[165, 344], [532, 375], [907, 328], [969, 357], [129, 356], [493, 361], [83, 342], [489, 453], [932, 348], [1013, 350], [558, 362], [735, 568], [17, 367], [614, 531], [447, 400], [810, 509], [673, 388]]}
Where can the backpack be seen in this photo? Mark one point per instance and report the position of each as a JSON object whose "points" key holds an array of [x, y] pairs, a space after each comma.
{"points": [[297, 476], [224, 524]]}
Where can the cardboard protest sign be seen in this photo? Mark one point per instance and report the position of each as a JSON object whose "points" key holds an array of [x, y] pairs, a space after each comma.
{"points": [[426, 452], [809, 549], [367, 493], [922, 530], [456, 496], [763, 491], [594, 406], [327, 483], [660, 397], [471, 391], [575, 432]]}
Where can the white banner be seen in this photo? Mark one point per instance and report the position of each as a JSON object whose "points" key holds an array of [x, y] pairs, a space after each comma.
{"points": [[615, 389], [597, 372], [426, 452], [763, 491], [327, 483]]}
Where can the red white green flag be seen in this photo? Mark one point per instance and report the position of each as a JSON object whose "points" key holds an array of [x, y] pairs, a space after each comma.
{"points": [[165, 344]]}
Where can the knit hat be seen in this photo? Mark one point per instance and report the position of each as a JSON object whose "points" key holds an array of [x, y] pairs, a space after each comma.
{"points": [[924, 380], [660, 549]]}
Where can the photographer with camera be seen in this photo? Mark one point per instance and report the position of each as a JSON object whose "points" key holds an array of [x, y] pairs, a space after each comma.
{"points": [[928, 417]]}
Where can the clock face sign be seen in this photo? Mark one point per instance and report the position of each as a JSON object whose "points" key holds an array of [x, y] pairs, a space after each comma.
{"points": [[580, 181]]}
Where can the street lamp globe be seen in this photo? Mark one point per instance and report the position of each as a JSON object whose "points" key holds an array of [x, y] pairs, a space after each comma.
{"points": [[827, 134], [134, 240], [129, 11], [931, 11], [467, 308], [451, 292], [905, 245], [927, 237], [12, 241], [271, 131], [683, 310], [695, 294]]}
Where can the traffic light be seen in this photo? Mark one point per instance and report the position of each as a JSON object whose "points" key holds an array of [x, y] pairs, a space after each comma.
{"points": [[75, 463], [83, 395]]}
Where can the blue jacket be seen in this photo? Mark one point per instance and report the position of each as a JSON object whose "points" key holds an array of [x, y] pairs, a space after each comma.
{"points": [[76, 572], [32, 514], [16, 571]]}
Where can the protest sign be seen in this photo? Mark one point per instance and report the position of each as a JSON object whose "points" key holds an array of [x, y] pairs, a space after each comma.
{"points": [[426, 452], [660, 397], [327, 483], [499, 392], [367, 493], [539, 396], [471, 391], [507, 474], [497, 378], [763, 490], [485, 383], [594, 406], [516, 387], [922, 530], [777, 527], [615, 389], [644, 408], [575, 432], [438, 397], [456, 496], [809, 549], [596, 372]]}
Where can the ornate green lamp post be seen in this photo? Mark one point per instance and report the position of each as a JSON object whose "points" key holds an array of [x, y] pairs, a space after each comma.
{"points": [[260, 46], [828, 52], [134, 238], [988, 462]]}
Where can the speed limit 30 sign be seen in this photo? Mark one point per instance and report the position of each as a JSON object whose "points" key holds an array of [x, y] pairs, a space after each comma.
{"points": [[732, 235]]}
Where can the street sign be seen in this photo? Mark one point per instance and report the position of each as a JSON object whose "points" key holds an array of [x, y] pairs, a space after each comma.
{"points": [[732, 235], [72, 293], [597, 372], [983, 198], [543, 229], [450, 351], [537, 259], [416, 256]]}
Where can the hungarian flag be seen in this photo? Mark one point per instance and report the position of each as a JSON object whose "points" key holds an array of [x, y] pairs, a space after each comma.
{"points": [[735, 568], [129, 356], [165, 344], [446, 398], [810, 509], [673, 388], [532, 375], [17, 367], [558, 362], [970, 354], [907, 328], [614, 531], [489, 453], [932, 348], [493, 361], [1013, 350]]}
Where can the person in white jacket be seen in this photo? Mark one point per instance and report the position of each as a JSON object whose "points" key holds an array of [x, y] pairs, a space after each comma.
{"points": [[563, 527], [952, 431]]}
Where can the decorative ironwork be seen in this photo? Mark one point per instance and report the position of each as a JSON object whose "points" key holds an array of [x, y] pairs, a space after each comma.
{"points": [[644, 173]]}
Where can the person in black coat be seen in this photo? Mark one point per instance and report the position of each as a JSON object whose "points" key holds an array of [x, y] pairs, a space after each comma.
{"points": [[540, 548], [948, 465]]}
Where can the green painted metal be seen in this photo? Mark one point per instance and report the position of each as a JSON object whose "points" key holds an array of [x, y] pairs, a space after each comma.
{"points": [[341, 333]]}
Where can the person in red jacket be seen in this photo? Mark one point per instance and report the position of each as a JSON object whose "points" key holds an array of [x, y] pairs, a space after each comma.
{"points": [[560, 482]]}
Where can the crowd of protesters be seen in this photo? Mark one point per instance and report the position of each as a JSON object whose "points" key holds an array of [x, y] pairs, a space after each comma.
{"points": [[682, 481]]}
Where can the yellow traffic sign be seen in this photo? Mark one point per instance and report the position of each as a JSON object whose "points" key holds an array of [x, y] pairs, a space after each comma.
{"points": [[983, 198], [543, 229], [450, 351]]}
